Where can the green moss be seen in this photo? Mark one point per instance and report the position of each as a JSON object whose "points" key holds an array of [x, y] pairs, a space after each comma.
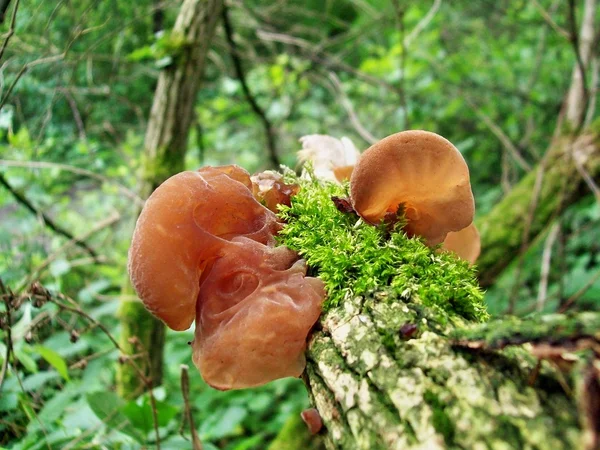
{"points": [[354, 258], [554, 328]]}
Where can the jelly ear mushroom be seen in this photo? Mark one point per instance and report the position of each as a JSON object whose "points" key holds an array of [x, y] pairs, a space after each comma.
{"points": [[421, 172], [466, 243], [205, 248], [177, 236]]}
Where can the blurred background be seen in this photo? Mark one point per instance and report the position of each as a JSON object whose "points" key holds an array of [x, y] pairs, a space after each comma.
{"points": [[512, 83]]}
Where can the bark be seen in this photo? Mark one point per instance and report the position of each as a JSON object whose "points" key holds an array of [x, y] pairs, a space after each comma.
{"points": [[578, 94], [164, 154], [526, 211], [379, 388]]}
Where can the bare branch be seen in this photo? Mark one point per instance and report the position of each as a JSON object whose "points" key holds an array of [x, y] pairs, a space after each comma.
{"points": [[48, 222], [423, 23], [400, 12], [548, 18], [87, 173], [595, 66], [537, 188], [545, 269], [574, 39], [13, 22], [577, 295], [237, 64], [185, 390], [345, 101], [502, 137], [34, 275]]}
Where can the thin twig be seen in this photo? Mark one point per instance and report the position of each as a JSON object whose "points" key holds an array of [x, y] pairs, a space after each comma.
{"points": [[591, 109], [239, 71], [76, 114], [577, 295], [546, 263], [185, 390], [7, 299], [33, 276], [76, 170], [574, 39], [537, 188], [502, 137], [548, 18], [24, 69], [423, 23], [345, 101], [11, 30], [48, 222], [400, 12]]}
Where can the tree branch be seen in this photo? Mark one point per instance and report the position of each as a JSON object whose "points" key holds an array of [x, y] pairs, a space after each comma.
{"points": [[239, 71], [48, 222], [574, 39], [13, 21]]}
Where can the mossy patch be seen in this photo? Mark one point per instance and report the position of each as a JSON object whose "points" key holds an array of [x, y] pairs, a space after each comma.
{"points": [[354, 258]]}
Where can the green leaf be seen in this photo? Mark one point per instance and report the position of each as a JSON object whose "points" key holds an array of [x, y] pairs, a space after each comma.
{"points": [[54, 359], [226, 424], [108, 407], [26, 360]]}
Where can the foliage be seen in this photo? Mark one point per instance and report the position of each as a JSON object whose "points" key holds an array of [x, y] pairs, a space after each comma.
{"points": [[354, 258]]}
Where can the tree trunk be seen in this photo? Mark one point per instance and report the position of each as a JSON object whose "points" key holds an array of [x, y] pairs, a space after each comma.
{"points": [[164, 154], [578, 94], [379, 386], [532, 204]]}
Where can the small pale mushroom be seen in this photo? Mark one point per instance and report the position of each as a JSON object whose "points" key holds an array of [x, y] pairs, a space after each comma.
{"points": [[204, 249], [421, 172], [332, 159], [466, 243]]}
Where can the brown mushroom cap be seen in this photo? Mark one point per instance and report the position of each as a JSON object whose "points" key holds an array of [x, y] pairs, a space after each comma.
{"points": [[184, 223], [205, 248], [466, 243], [422, 171]]}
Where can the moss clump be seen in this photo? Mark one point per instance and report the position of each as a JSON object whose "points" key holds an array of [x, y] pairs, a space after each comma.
{"points": [[354, 258]]}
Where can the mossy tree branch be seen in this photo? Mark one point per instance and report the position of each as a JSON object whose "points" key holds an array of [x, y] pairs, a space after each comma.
{"points": [[502, 229]]}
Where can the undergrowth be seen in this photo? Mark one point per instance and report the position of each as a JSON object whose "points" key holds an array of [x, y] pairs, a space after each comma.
{"points": [[355, 258]]}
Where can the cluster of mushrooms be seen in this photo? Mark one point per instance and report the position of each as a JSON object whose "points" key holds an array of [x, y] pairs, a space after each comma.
{"points": [[204, 248]]}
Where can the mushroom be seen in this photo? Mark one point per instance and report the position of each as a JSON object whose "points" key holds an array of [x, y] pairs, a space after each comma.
{"points": [[204, 248], [269, 188], [421, 172], [256, 309], [466, 243], [332, 159]]}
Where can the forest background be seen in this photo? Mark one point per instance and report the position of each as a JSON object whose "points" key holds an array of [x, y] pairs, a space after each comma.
{"points": [[79, 151]]}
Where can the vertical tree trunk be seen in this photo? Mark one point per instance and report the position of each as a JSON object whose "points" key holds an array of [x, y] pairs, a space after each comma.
{"points": [[164, 154], [577, 96]]}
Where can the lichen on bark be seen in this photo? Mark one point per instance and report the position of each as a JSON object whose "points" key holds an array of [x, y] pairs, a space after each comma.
{"points": [[376, 389]]}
